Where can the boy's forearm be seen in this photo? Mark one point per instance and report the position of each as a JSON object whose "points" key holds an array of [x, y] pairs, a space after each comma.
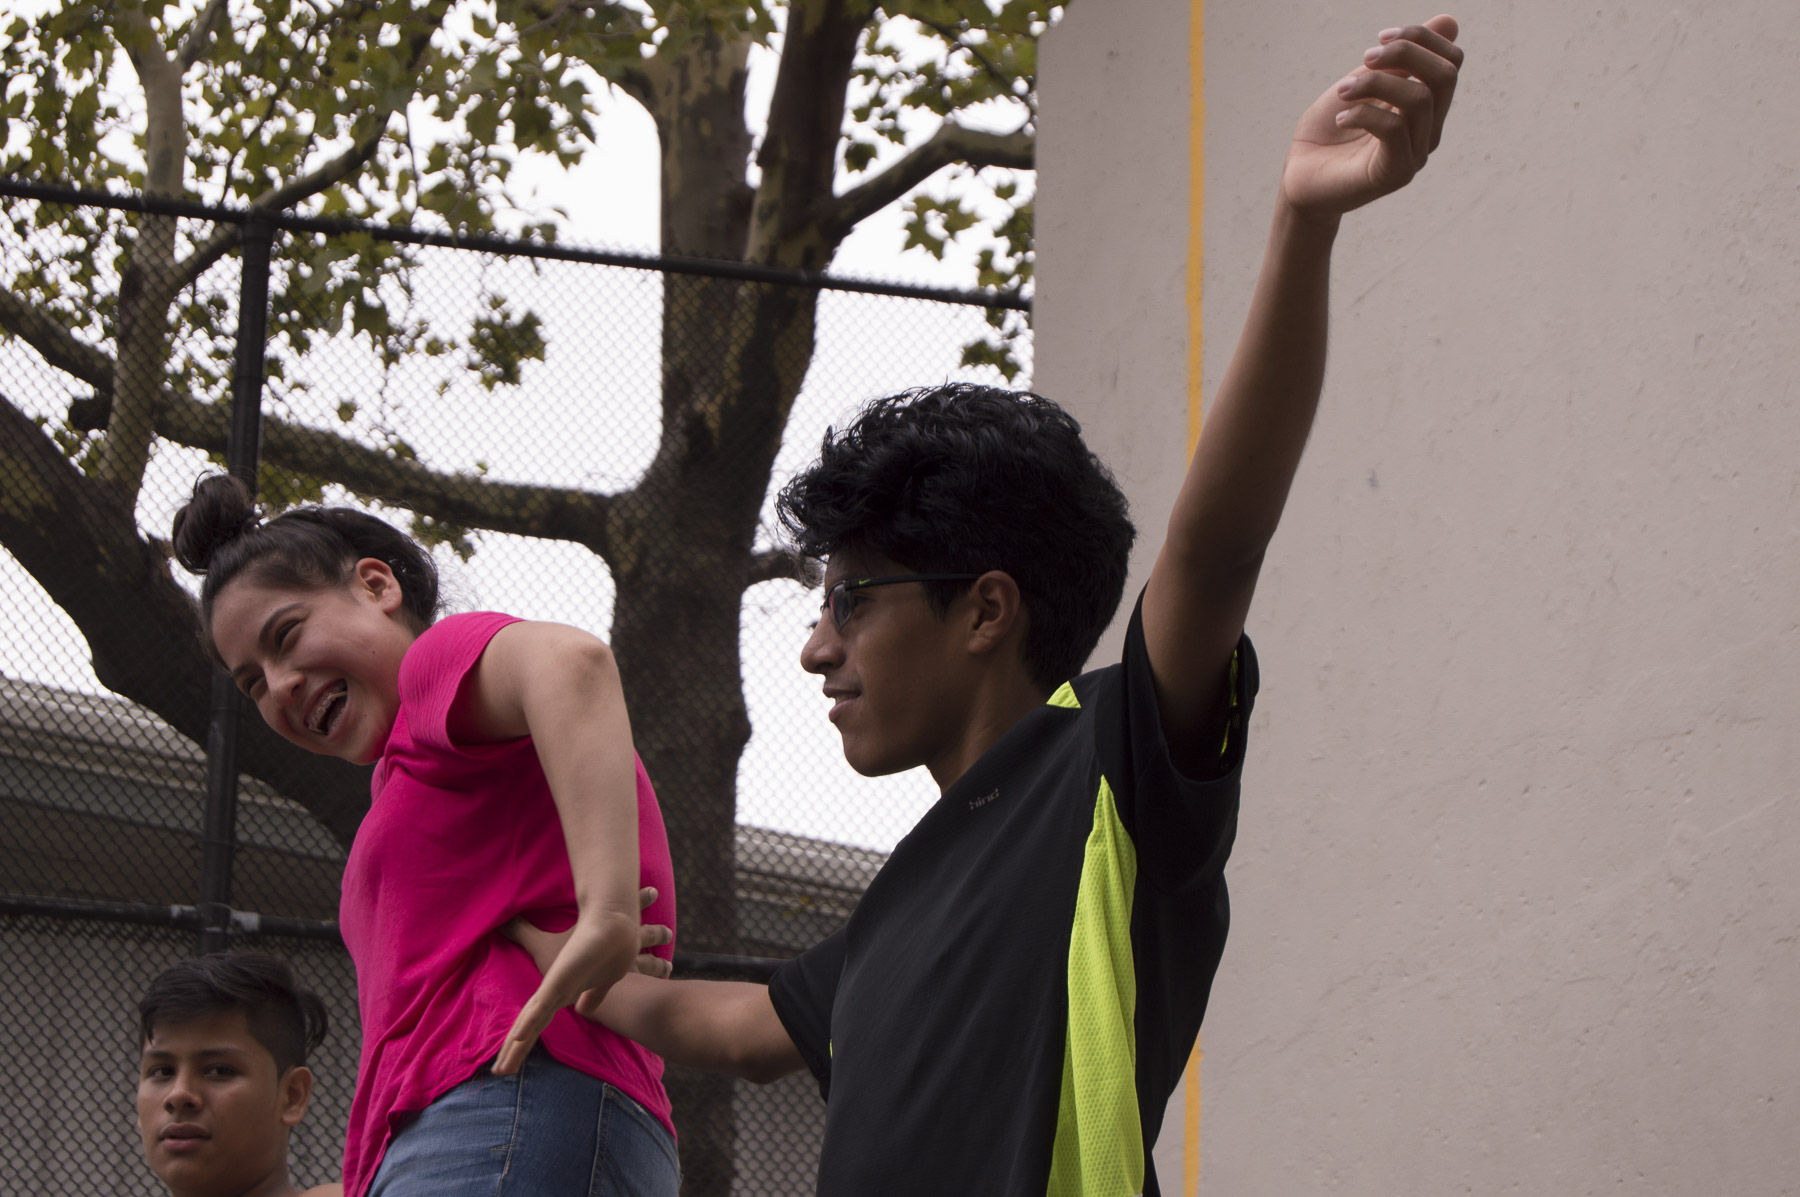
{"points": [[1238, 482], [719, 1026]]}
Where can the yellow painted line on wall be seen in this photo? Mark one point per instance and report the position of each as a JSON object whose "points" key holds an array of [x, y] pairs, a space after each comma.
{"points": [[1196, 277], [1190, 1138], [1196, 255]]}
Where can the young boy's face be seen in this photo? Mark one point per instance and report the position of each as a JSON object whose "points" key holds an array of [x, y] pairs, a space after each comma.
{"points": [[212, 1111], [894, 672]]}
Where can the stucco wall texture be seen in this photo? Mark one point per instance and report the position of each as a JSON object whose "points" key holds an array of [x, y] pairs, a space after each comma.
{"points": [[1517, 884]]}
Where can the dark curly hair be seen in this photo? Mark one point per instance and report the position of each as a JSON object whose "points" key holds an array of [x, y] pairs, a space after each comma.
{"points": [[963, 479], [220, 535], [282, 1014]]}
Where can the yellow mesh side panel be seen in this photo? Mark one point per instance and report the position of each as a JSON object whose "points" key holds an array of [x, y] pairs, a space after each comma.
{"points": [[1064, 697], [1231, 691], [1099, 1149]]}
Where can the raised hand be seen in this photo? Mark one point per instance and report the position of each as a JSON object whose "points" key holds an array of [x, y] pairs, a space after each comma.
{"points": [[1371, 132]]}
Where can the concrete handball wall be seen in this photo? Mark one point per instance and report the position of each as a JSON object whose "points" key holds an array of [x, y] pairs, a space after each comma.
{"points": [[1516, 889]]}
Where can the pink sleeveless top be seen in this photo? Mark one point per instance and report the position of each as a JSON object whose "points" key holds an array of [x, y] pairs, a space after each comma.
{"points": [[461, 838]]}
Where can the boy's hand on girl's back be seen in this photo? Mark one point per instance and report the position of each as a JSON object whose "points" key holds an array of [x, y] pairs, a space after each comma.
{"points": [[1372, 131], [580, 963]]}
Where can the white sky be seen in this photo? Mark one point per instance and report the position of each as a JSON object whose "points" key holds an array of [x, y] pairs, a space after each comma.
{"points": [[793, 776]]}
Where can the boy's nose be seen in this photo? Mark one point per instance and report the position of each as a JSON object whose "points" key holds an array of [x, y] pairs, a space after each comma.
{"points": [[823, 648], [181, 1096]]}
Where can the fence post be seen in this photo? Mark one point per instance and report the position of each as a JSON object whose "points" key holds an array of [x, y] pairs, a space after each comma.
{"points": [[243, 449]]}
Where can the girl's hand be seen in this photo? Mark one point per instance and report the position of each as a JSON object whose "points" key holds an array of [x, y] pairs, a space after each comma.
{"points": [[542, 946], [1372, 131], [583, 963]]}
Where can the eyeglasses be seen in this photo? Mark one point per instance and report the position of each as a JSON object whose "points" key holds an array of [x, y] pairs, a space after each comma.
{"points": [[840, 600]]}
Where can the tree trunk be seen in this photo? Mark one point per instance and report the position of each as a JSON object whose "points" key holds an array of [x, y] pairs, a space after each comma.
{"points": [[82, 545], [148, 282], [734, 357], [690, 524]]}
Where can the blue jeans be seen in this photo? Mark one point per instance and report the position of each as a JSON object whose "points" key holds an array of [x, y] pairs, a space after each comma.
{"points": [[549, 1129]]}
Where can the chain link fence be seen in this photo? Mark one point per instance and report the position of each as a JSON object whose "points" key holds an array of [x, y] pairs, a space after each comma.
{"points": [[510, 403]]}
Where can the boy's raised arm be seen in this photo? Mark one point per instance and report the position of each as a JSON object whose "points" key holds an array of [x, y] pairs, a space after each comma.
{"points": [[1366, 136]]}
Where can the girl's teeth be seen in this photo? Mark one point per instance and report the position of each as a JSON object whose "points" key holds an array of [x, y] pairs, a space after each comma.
{"points": [[325, 718]]}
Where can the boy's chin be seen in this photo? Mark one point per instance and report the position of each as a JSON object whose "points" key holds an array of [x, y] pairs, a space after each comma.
{"points": [[875, 764]]}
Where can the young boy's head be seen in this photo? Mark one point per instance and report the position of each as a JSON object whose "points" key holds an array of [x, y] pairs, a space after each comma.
{"points": [[223, 1077], [963, 479]]}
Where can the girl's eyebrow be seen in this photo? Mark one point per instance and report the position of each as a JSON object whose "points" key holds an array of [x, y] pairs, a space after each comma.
{"points": [[265, 637], [268, 629]]}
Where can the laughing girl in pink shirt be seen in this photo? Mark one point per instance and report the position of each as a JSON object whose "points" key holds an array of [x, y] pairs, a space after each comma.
{"points": [[504, 771]]}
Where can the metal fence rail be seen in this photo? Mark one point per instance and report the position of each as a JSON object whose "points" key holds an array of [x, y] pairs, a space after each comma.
{"points": [[750, 272], [470, 362]]}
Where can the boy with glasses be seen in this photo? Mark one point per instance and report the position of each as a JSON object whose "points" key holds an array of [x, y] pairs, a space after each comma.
{"points": [[1011, 1004]]}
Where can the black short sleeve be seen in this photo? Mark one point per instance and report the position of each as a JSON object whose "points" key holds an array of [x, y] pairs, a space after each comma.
{"points": [[802, 992], [1183, 827]]}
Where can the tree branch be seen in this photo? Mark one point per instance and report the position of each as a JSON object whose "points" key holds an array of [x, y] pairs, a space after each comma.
{"points": [[640, 83], [55, 344], [371, 127], [226, 236], [954, 42], [199, 38], [556, 16], [952, 143], [545, 512], [80, 542], [772, 565]]}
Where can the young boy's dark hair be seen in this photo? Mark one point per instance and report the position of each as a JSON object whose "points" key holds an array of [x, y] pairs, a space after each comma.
{"points": [[962, 478], [284, 1016]]}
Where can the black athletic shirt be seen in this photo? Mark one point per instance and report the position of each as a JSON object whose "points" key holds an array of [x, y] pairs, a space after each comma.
{"points": [[1014, 999]]}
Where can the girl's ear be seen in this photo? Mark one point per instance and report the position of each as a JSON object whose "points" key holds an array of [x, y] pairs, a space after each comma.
{"points": [[375, 578]]}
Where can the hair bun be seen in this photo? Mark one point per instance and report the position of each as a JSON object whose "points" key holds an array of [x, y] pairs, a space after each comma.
{"points": [[219, 512]]}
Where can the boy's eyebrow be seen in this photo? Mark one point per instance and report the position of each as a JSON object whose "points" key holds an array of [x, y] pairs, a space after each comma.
{"points": [[163, 1053]]}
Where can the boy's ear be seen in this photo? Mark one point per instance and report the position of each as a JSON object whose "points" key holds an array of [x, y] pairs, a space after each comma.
{"points": [[296, 1091], [997, 610]]}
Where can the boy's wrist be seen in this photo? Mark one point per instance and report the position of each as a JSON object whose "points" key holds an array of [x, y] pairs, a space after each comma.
{"points": [[1305, 227]]}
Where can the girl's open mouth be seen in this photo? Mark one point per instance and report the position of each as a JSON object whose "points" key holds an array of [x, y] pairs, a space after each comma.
{"points": [[325, 715]]}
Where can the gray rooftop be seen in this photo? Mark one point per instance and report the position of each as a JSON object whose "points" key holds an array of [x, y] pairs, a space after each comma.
{"points": [[101, 800]]}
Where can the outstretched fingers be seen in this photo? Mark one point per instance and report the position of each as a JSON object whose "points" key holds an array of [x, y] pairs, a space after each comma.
{"points": [[594, 956], [652, 935], [525, 1031]]}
